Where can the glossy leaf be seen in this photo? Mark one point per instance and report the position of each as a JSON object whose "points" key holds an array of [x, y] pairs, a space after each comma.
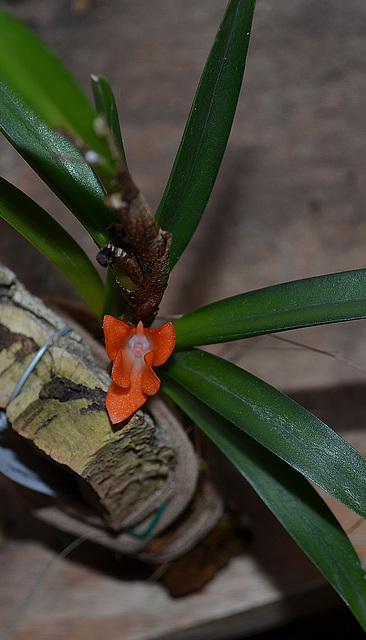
{"points": [[277, 422], [290, 497], [37, 96], [105, 105], [324, 299], [40, 80], [208, 127], [35, 224], [57, 162]]}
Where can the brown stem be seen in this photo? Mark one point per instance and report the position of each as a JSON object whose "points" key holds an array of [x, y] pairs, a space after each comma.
{"points": [[137, 244], [140, 247]]}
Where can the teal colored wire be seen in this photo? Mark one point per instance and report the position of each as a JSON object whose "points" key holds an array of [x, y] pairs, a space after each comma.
{"points": [[155, 519]]}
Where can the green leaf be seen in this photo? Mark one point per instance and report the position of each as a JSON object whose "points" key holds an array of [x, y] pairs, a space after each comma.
{"points": [[324, 299], [106, 106], [114, 303], [289, 496], [40, 80], [57, 162], [208, 127], [277, 422], [37, 96], [35, 224]]}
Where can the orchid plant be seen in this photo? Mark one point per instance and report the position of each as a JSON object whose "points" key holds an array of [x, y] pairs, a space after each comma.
{"points": [[276, 444]]}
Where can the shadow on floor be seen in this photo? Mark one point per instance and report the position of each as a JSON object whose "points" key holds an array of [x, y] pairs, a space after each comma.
{"points": [[337, 624]]}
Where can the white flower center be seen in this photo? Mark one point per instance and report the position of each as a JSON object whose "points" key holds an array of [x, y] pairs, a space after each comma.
{"points": [[139, 345]]}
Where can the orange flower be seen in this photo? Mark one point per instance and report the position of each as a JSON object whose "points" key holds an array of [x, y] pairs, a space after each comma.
{"points": [[134, 350]]}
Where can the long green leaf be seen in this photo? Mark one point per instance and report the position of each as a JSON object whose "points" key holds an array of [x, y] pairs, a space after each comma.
{"points": [[40, 80], [277, 422], [290, 497], [35, 224], [57, 162], [208, 127], [106, 106], [324, 299], [38, 96]]}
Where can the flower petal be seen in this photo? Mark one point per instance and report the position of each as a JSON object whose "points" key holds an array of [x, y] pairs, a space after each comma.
{"points": [[150, 383], [122, 403], [116, 333], [163, 340], [122, 368]]}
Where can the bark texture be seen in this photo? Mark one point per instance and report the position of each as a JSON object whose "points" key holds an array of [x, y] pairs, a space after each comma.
{"points": [[123, 488]]}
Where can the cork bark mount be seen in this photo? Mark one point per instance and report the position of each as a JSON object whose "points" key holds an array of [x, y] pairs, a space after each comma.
{"points": [[125, 489]]}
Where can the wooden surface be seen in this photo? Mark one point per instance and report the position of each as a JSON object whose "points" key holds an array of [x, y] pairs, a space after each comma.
{"points": [[93, 594]]}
